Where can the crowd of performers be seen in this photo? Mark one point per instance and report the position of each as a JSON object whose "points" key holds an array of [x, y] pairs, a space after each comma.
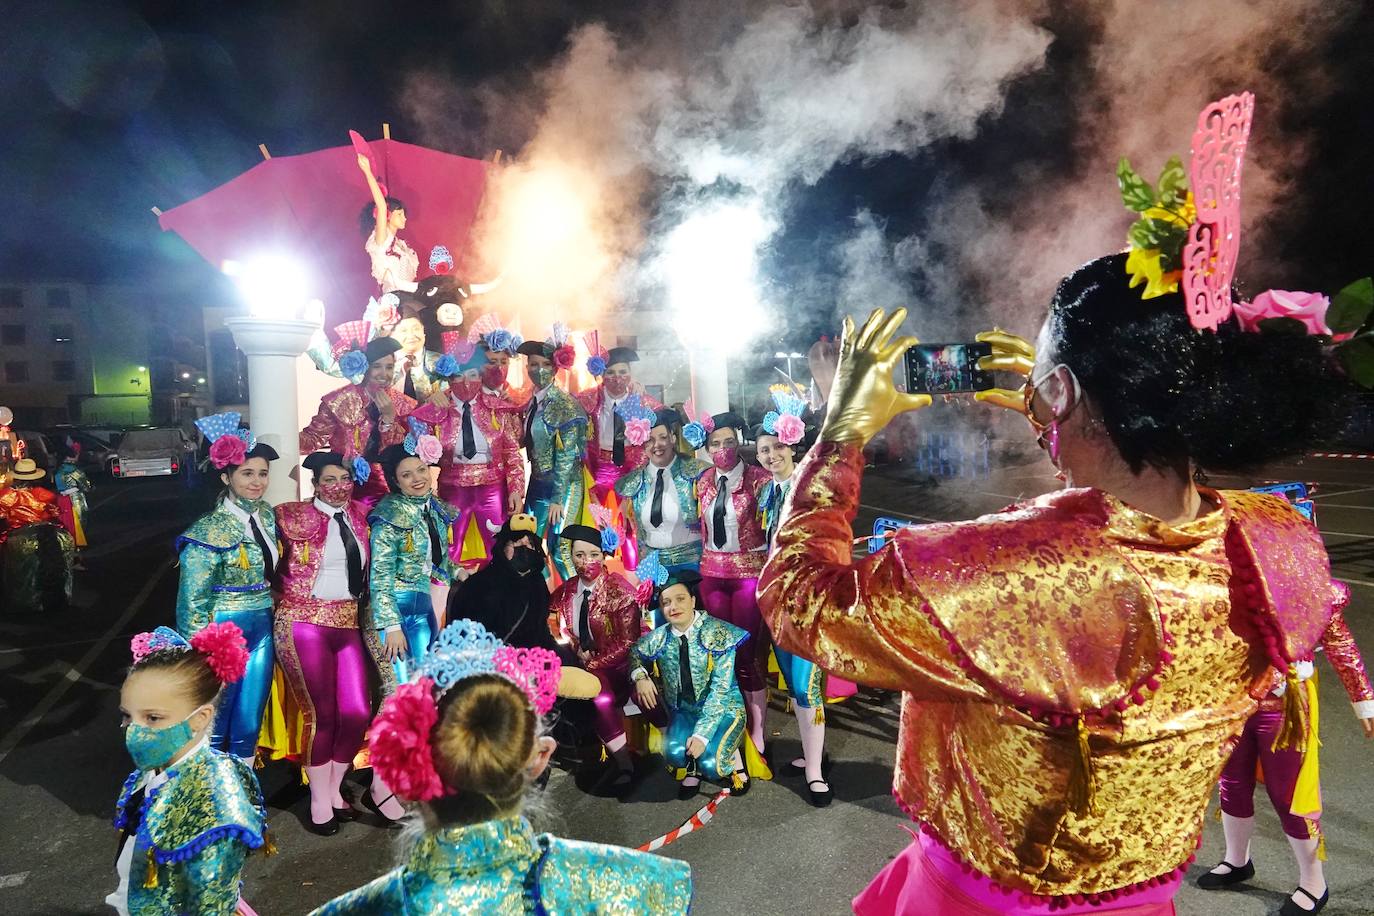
{"points": [[42, 525], [1078, 672]]}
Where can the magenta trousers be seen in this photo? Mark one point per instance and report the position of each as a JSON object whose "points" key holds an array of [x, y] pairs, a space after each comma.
{"points": [[487, 502], [333, 666], [609, 721], [1280, 772], [604, 476], [736, 601]]}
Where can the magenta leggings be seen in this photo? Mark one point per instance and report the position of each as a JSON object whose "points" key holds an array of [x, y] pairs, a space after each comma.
{"points": [[610, 703], [334, 665], [1280, 773], [736, 601], [486, 502]]}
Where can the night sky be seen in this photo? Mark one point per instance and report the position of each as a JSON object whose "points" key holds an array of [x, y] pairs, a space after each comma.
{"points": [[110, 109]]}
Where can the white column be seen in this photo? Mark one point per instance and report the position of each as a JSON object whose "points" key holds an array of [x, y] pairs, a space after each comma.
{"points": [[710, 380], [272, 345]]}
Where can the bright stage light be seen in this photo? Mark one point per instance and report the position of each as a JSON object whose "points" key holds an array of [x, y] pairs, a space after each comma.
{"points": [[547, 210], [272, 286], [710, 266]]}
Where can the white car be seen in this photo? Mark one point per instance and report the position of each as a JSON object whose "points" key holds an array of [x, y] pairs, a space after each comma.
{"points": [[150, 453]]}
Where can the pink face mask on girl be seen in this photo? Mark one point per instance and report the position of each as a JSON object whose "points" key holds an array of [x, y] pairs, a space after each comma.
{"points": [[725, 459]]}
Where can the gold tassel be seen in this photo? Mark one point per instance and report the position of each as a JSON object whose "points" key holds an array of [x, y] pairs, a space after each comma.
{"points": [[450, 532], [243, 556], [1321, 845], [1293, 730], [305, 554], [710, 663], [410, 541], [820, 715], [604, 756], [269, 845], [1082, 788], [737, 780], [150, 876]]}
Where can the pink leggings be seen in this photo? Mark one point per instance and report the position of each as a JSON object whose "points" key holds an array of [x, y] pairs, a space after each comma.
{"points": [[333, 664], [610, 703], [736, 601], [1280, 772], [487, 502]]}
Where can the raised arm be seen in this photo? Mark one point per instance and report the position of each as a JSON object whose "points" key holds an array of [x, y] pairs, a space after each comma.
{"points": [[378, 200], [319, 432]]}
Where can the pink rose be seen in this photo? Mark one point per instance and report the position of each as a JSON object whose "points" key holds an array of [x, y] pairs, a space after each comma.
{"points": [[637, 432], [428, 449], [227, 450], [790, 429], [1309, 308]]}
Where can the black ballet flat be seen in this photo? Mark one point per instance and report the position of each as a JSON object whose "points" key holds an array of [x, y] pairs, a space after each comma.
{"points": [[376, 809], [328, 828], [1237, 874], [1291, 908], [686, 792], [743, 788], [346, 814], [820, 799]]}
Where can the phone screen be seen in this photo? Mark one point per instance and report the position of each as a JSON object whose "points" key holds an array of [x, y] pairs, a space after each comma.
{"points": [[947, 368]]}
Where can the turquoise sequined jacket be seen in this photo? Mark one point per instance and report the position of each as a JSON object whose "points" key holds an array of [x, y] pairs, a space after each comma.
{"points": [[222, 567], [194, 833], [401, 553], [560, 440], [712, 653], [502, 868]]}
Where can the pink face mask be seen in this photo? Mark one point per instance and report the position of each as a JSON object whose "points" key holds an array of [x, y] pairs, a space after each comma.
{"points": [[617, 386], [725, 459], [493, 376], [339, 491], [592, 569], [467, 390]]}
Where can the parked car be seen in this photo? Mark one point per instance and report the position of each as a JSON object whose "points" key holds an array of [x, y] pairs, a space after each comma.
{"points": [[160, 452], [96, 448]]}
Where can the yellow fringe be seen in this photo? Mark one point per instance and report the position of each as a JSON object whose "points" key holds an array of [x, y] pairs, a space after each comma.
{"points": [[1307, 794], [410, 541], [243, 556], [604, 755], [305, 553], [150, 876], [269, 845], [820, 715], [1082, 788], [737, 780], [1293, 730], [1321, 845]]}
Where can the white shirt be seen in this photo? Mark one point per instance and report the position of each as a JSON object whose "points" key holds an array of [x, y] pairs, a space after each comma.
{"points": [[332, 582], [394, 263], [673, 531], [734, 480], [483, 454], [607, 422], [242, 516]]}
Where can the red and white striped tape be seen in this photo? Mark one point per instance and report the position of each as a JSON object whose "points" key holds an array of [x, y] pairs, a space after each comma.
{"points": [[695, 822], [1340, 455]]}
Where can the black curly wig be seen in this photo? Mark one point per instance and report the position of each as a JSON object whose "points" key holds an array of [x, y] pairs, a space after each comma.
{"points": [[367, 218], [1169, 394]]}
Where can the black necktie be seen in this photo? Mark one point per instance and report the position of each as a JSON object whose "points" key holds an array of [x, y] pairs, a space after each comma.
{"points": [[469, 438], [656, 508], [409, 387], [584, 624], [436, 550], [355, 557], [268, 571], [618, 442], [718, 516], [684, 665], [774, 511], [374, 436], [529, 426]]}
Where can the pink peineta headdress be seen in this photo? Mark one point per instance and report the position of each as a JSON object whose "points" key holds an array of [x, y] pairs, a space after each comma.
{"points": [[399, 739], [351, 335], [222, 644]]}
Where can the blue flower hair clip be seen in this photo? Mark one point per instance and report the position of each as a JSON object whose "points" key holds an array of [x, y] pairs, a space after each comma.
{"points": [[446, 366], [162, 638], [610, 540], [695, 434], [362, 471], [353, 366], [596, 366]]}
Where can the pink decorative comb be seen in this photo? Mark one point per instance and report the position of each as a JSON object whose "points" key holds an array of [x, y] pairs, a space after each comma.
{"points": [[483, 326], [352, 335], [536, 671], [1209, 255]]}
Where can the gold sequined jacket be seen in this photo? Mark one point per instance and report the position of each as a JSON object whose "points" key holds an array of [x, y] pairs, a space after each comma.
{"points": [[1075, 672]]}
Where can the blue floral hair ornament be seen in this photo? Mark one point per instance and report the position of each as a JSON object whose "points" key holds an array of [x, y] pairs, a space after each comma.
{"points": [[695, 434], [161, 638], [501, 341], [353, 365], [634, 408], [651, 569], [446, 366], [438, 255], [770, 422], [788, 402], [220, 424], [362, 471], [412, 440], [610, 540], [596, 366], [464, 649]]}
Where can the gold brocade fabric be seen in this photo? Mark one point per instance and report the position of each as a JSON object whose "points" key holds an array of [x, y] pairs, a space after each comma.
{"points": [[1072, 605]]}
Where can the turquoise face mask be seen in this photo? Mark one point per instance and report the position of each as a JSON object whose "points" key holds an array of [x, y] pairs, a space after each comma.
{"points": [[542, 377], [154, 748]]}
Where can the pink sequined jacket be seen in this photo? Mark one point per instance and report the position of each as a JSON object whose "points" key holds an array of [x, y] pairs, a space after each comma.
{"points": [[342, 423], [748, 561], [591, 401], [303, 529], [499, 429]]}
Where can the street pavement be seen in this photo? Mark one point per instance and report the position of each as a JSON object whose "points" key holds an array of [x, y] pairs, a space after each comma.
{"points": [[62, 759]]}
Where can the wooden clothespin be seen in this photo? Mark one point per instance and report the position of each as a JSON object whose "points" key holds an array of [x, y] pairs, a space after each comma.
{"points": [[262, 148], [386, 131]]}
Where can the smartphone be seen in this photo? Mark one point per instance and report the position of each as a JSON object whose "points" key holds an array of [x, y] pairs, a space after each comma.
{"points": [[950, 368]]}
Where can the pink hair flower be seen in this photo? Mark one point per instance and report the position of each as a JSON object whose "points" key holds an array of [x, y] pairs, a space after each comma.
{"points": [[790, 429], [227, 450], [429, 449], [225, 650], [564, 357], [637, 432], [1309, 308], [399, 742]]}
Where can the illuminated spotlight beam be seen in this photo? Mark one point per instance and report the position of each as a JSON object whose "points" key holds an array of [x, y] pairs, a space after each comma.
{"points": [[710, 267]]}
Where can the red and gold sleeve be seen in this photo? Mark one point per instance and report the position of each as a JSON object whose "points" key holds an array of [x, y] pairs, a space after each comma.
{"points": [[1344, 655], [866, 620]]}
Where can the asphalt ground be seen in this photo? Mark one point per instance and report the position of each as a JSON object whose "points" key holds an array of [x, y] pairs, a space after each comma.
{"points": [[62, 759]]}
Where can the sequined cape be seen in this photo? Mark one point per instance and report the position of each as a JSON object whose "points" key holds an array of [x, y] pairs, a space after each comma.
{"points": [[222, 567], [303, 529], [502, 868], [591, 401], [560, 435], [614, 618], [194, 832], [712, 655], [638, 487], [401, 554], [1076, 673]]}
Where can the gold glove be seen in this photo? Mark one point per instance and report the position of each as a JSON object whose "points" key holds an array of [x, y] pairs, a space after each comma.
{"points": [[863, 399], [1009, 354]]}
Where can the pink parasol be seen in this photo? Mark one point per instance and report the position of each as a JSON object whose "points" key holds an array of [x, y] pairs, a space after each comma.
{"points": [[306, 207]]}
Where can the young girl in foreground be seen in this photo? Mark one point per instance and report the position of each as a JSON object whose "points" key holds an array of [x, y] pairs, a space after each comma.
{"points": [[464, 739], [189, 814]]}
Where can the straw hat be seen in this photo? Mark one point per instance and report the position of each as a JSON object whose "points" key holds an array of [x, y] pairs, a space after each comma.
{"points": [[27, 469]]}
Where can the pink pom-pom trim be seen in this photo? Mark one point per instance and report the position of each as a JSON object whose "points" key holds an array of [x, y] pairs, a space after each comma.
{"points": [[399, 742], [225, 650], [227, 450]]}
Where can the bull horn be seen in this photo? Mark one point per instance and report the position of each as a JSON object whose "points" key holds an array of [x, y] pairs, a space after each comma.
{"points": [[494, 529], [480, 288]]}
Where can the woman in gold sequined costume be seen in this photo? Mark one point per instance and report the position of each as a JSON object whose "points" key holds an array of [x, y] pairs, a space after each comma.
{"points": [[1075, 669]]}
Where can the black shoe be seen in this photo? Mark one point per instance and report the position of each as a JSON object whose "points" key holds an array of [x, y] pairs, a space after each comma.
{"points": [[346, 813], [743, 788], [820, 799], [686, 792], [328, 828], [372, 806], [1291, 908], [1237, 874]]}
